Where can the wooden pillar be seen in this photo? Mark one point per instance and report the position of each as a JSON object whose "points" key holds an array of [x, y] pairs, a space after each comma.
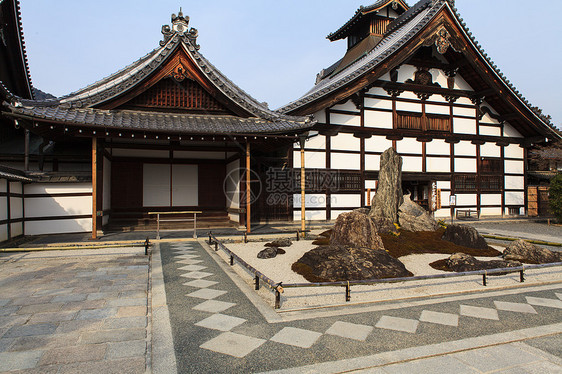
{"points": [[94, 188], [248, 191], [303, 187]]}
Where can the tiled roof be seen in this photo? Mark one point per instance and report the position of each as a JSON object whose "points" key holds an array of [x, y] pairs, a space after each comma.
{"points": [[161, 122], [13, 174], [399, 32], [357, 16], [77, 107]]}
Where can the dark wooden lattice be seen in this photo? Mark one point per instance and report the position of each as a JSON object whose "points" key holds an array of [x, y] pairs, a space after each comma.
{"points": [[171, 94]]}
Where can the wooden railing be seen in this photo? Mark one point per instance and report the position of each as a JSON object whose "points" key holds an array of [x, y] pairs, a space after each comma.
{"points": [[158, 220]]}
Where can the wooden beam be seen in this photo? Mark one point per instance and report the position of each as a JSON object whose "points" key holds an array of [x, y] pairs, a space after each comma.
{"points": [[303, 188], [94, 188]]}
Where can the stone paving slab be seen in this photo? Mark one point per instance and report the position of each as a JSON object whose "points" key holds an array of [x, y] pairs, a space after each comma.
{"points": [[75, 311]]}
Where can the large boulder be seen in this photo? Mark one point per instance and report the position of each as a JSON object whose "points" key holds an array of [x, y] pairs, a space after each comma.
{"points": [[530, 253], [460, 262], [283, 242], [389, 197], [268, 252], [355, 229], [465, 236], [413, 217], [343, 263]]}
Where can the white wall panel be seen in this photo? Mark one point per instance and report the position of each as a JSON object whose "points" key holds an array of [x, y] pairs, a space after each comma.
{"points": [[444, 185], [460, 84], [489, 130], [16, 207], [345, 201], [464, 101], [491, 199], [371, 184], [445, 197], [3, 233], [17, 229], [409, 145], [437, 109], [408, 107], [346, 161], [514, 151], [466, 200], [320, 116], [439, 77], [490, 150], [156, 185], [15, 188], [412, 163], [311, 201], [438, 147], [465, 148], [345, 119], [377, 144], [461, 111], [464, 126], [515, 198], [465, 165], [438, 165], [310, 215], [3, 208], [185, 185], [378, 103], [57, 188], [148, 153], [372, 162], [345, 142], [317, 142], [58, 206], [381, 120], [58, 226], [335, 213], [406, 72], [312, 160], [348, 106], [491, 211], [514, 167], [443, 213], [514, 182], [3, 184], [377, 91], [510, 131]]}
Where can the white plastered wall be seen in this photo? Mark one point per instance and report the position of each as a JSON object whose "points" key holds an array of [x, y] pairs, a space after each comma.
{"points": [[50, 203], [232, 189]]}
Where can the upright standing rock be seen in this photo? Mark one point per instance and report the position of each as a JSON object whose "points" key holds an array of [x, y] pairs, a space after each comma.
{"points": [[389, 195]]}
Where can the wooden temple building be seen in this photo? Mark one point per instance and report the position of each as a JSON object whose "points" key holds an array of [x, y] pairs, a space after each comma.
{"points": [[171, 133]]}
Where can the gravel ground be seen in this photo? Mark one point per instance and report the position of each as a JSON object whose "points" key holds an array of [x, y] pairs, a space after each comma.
{"points": [[523, 229]]}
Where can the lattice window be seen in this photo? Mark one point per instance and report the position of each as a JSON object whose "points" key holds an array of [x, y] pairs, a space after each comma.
{"points": [[169, 93], [465, 183], [490, 183]]}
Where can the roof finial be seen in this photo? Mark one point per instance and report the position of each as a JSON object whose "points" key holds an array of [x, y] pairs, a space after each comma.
{"points": [[180, 14]]}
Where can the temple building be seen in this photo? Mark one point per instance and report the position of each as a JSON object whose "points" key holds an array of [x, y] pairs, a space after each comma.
{"points": [[171, 133], [415, 79]]}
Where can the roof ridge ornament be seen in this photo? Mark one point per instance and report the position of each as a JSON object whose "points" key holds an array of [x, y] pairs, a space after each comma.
{"points": [[180, 26]]}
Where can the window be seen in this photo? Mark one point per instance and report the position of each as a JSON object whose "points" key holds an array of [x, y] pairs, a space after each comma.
{"points": [[465, 183]]}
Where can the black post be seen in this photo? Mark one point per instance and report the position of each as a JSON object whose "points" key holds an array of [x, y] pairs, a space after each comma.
{"points": [[257, 282], [277, 299], [347, 292], [522, 276], [216, 246], [231, 260], [484, 279], [146, 244], [298, 236], [245, 237], [210, 241]]}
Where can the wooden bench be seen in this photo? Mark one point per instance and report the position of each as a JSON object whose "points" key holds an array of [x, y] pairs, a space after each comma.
{"points": [[467, 213]]}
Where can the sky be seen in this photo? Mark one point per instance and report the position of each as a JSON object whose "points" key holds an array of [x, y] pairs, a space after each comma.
{"points": [[271, 49]]}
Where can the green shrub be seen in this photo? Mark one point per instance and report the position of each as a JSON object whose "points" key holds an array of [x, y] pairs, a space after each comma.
{"points": [[555, 196]]}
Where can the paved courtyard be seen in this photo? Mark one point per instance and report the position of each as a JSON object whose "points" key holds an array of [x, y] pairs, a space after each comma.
{"points": [[74, 311], [184, 309]]}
